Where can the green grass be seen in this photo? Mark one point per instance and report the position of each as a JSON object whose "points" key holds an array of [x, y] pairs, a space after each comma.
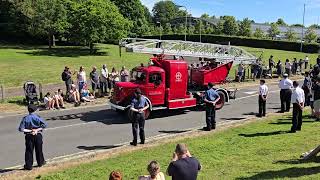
{"points": [[260, 150], [21, 63], [41, 65]]}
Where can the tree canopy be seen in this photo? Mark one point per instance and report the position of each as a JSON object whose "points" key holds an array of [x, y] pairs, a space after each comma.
{"points": [[281, 22], [311, 35], [165, 11], [273, 30], [245, 27], [230, 26]]}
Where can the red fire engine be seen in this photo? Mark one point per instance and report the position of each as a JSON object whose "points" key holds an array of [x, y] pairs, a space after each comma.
{"points": [[168, 83]]}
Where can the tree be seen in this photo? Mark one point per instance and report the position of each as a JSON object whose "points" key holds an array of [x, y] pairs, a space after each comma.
{"points": [[199, 25], [219, 28], [165, 11], [281, 22], [135, 12], [97, 21], [290, 34], [209, 30], [230, 26], [245, 27], [47, 18], [315, 26], [311, 35], [191, 29], [148, 15], [205, 16], [181, 29], [297, 25], [258, 33], [167, 29], [273, 30]]}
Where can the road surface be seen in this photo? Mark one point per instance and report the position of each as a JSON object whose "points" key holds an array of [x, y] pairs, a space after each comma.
{"points": [[93, 128]]}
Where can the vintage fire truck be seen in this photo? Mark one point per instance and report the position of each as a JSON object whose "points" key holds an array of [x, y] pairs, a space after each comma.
{"points": [[168, 82]]}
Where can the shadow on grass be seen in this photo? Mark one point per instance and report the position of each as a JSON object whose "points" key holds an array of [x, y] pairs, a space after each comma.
{"points": [[90, 148], [299, 161], [66, 52], [233, 119], [19, 102], [174, 131], [289, 122], [294, 172], [264, 134]]}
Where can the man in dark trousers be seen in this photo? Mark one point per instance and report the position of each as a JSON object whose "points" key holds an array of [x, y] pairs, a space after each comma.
{"points": [[271, 64], [211, 98], [138, 105], [285, 93], [263, 94], [32, 126], [297, 99], [66, 77]]}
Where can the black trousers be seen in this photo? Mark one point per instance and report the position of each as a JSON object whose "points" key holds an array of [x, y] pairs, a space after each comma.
{"points": [[296, 117], [262, 106], [210, 116], [68, 85], [138, 125], [285, 97], [33, 142]]}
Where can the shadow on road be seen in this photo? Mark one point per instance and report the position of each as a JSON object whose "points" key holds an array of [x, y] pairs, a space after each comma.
{"points": [[2, 171], [264, 134], [90, 148], [294, 172], [250, 113]]}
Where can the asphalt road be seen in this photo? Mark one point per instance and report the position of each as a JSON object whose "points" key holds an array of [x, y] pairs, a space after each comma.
{"points": [[92, 128]]}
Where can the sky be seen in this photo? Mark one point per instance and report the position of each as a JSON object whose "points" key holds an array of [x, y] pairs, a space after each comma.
{"points": [[291, 11]]}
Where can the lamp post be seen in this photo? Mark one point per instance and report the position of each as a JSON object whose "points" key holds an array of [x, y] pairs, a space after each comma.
{"points": [[160, 27], [200, 29], [302, 34], [185, 33]]}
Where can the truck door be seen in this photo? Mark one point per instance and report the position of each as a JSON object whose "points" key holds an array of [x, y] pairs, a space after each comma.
{"points": [[155, 88]]}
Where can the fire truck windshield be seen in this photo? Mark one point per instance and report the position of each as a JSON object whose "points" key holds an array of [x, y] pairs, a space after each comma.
{"points": [[138, 76]]}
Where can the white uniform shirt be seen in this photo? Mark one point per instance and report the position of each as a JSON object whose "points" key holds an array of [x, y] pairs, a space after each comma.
{"points": [[81, 76], [288, 65], [285, 84], [297, 95], [104, 74], [306, 59], [263, 90]]}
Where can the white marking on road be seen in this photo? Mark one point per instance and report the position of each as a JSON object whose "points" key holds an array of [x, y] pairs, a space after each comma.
{"points": [[246, 97], [250, 92]]}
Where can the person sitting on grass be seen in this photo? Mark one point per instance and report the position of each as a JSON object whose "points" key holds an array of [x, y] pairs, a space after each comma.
{"points": [[154, 171], [86, 96], [183, 165], [48, 101], [58, 99], [74, 95], [115, 175]]}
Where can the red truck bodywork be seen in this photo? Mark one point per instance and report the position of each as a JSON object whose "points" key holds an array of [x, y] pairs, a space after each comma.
{"points": [[165, 85]]}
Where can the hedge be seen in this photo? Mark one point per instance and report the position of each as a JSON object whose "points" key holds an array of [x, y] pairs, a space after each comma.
{"points": [[245, 41]]}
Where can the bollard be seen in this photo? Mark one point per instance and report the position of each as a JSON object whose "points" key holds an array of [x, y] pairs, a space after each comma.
{"points": [[2, 93]]}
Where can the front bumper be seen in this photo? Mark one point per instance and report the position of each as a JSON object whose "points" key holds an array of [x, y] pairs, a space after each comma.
{"points": [[117, 107]]}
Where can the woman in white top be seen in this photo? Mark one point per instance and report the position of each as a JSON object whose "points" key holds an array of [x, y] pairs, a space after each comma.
{"points": [[288, 67], [154, 171], [81, 77], [114, 77], [48, 101]]}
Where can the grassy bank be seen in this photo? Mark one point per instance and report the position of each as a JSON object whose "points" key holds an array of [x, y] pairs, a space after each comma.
{"points": [[259, 150], [21, 63]]}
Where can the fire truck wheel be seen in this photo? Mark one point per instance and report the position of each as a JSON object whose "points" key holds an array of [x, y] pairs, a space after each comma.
{"points": [[222, 100]]}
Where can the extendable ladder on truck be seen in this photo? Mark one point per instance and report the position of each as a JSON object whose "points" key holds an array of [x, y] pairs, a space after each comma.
{"points": [[221, 53]]}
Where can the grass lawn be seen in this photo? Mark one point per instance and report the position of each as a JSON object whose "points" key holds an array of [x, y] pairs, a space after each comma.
{"points": [[19, 64], [259, 150]]}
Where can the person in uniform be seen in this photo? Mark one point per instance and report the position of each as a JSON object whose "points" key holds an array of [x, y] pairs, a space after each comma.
{"points": [[211, 98], [285, 93], [263, 94], [32, 126], [138, 105], [297, 99], [315, 90]]}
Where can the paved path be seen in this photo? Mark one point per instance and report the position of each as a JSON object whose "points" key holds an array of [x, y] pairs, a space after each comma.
{"points": [[92, 128]]}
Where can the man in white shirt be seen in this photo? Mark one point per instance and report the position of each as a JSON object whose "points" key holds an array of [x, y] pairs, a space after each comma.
{"points": [[306, 62], [288, 67], [285, 93], [263, 94], [104, 79], [297, 99]]}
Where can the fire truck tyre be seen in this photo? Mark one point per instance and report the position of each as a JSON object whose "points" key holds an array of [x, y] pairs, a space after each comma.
{"points": [[222, 100]]}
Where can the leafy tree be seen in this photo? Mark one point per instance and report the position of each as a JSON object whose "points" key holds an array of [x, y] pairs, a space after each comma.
{"points": [[290, 35], [273, 30], [148, 15], [281, 22], [181, 29], [258, 33], [245, 27], [167, 29], [209, 30], [199, 25], [219, 28], [165, 11], [191, 29], [311, 35], [97, 21], [175, 30], [135, 12], [297, 25], [315, 26], [230, 26], [205, 16]]}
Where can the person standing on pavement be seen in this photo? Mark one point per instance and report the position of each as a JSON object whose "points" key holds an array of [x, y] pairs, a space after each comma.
{"points": [[279, 68], [285, 93], [66, 77], [271, 64], [288, 67], [81, 77], [94, 77], [104, 79], [307, 85], [315, 93], [297, 99], [306, 62], [263, 95], [32, 126], [211, 98], [138, 105]]}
